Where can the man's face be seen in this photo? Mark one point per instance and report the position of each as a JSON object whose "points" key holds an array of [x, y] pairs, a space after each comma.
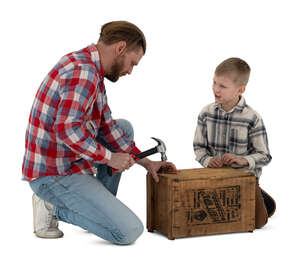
{"points": [[124, 64], [226, 92]]}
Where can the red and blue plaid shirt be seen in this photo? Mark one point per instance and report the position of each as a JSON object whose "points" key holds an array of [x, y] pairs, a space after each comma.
{"points": [[69, 109]]}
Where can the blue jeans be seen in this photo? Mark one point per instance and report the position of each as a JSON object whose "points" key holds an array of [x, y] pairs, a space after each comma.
{"points": [[90, 202]]}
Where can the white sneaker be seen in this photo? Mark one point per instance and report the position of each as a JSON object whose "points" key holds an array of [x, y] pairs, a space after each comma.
{"points": [[44, 224]]}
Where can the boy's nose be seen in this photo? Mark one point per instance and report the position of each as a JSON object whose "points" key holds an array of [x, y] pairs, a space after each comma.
{"points": [[215, 89]]}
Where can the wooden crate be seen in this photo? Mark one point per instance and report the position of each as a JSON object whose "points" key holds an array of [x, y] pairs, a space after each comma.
{"points": [[201, 201]]}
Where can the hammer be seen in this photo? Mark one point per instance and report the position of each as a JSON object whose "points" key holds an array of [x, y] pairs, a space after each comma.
{"points": [[160, 148]]}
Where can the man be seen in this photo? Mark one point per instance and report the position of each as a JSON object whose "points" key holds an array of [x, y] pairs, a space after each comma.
{"points": [[71, 130]]}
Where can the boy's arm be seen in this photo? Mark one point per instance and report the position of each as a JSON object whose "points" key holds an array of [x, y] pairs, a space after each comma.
{"points": [[258, 140], [200, 145]]}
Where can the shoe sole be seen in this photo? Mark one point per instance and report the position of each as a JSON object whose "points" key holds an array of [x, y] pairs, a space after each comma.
{"points": [[48, 237]]}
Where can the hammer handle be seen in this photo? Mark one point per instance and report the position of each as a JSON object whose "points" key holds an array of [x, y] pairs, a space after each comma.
{"points": [[136, 157], [111, 170], [146, 153]]}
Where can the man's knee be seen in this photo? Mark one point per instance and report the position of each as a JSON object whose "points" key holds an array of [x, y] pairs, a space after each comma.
{"points": [[130, 234], [126, 127]]}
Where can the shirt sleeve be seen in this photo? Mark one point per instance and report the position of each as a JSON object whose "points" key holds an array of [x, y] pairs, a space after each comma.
{"points": [[112, 133], [258, 140], [77, 95], [200, 144]]}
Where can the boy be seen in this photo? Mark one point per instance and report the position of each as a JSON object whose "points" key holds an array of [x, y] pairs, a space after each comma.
{"points": [[230, 133]]}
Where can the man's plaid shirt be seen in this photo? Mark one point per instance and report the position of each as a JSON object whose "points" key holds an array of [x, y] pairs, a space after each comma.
{"points": [[240, 131], [69, 109]]}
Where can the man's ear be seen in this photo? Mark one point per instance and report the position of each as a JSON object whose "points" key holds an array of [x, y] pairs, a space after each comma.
{"points": [[120, 47]]}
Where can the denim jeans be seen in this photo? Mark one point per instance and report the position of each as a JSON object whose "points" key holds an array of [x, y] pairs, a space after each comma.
{"points": [[90, 202]]}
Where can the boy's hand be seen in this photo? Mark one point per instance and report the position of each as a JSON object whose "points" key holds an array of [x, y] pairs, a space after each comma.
{"points": [[229, 159], [215, 162]]}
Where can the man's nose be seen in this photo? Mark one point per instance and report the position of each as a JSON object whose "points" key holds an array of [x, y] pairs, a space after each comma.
{"points": [[130, 70]]}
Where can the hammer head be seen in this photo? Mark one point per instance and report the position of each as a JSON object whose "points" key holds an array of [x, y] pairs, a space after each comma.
{"points": [[161, 147]]}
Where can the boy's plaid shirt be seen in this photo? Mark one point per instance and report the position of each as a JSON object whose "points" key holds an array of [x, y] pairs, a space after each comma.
{"points": [[240, 131], [69, 109]]}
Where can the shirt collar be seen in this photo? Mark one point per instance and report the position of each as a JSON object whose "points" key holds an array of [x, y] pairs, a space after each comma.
{"points": [[238, 107], [95, 56]]}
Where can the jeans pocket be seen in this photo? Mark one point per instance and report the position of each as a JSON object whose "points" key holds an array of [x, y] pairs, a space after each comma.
{"points": [[48, 189], [43, 191], [38, 185]]}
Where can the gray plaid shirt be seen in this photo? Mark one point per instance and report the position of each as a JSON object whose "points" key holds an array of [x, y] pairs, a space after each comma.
{"points": [[240, 131]]}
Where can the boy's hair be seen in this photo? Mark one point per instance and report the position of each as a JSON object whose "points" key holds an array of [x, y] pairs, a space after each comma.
{"points": [[237, 69], [116, 31]]}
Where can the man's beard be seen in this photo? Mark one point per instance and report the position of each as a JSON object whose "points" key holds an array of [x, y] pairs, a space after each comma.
{"points": [[116, 69]]}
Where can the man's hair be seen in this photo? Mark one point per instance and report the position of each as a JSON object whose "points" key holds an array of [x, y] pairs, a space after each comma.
{"points": [[235, 68], [116, 31]]}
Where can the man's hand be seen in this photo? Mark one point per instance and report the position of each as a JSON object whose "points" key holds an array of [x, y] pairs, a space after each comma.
{"points": [[121, 161], [154, 166], [215, 162], [229, 159]]}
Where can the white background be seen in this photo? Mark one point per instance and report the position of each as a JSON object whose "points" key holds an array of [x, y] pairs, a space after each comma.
{"points": [[162, 98]]}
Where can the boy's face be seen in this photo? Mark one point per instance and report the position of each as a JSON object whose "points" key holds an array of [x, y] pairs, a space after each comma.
{"points": [[226, 92]]}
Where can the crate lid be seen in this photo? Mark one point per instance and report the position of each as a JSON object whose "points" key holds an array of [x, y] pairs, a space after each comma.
{"points": [[207, 173]]}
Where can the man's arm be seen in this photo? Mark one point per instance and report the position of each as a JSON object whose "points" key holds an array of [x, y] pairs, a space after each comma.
{"points": [[112, 133], [77, 94]]}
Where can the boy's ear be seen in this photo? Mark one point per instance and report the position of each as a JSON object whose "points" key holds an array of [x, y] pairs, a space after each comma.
{"points": [[120, 47], [242, 89]]}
